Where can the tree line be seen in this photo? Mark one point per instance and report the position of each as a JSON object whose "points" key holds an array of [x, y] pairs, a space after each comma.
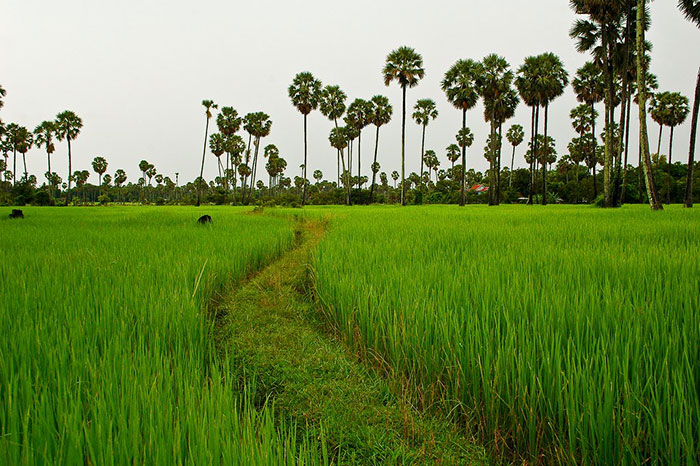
{"points": [[611, 31]]}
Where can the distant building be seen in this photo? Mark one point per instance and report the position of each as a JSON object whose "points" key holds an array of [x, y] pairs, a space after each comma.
{"points": [[479, 188]]}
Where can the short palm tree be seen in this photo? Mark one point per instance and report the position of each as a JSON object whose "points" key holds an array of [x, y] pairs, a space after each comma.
{"points": [[359, 115], [677, 113], [405, 66], [462, 91], [259, 126], [23, 141], [339, 141], [465, 139], [305, 92], [381, 115], [43, 137], [423, 111], [691, 10], [208, 106], [217, 145], [99, 166], [453, 152], [68, 126], [515, 136]]}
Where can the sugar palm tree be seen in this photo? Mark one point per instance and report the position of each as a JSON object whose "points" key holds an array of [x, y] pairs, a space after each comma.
{"points": [[691, 10], [68, 126], [208, 106], [229, 123], [99, 166], [23, 141], [551, 82], [453, 152], [3, 93], [500, 110], [332, 106], [305, 92], [359, 115], [525, 83], [339, 141], [465, 139], [462, 91], [259, 126], [405, 66], [598, 35], [589, 87], [494, 83], [43, 137], [423, 111], [217, 145], [515, 136], [381, 115], [642, 69], [677, 113]]}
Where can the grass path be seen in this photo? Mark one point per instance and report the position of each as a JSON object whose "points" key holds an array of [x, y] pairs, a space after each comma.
{"points": [[277, 337]]}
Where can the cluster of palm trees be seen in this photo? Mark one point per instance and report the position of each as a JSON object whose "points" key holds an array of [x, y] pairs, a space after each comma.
{"points": [[241, 160]]}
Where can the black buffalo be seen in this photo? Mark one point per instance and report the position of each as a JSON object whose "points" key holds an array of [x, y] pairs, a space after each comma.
{"points": [[16, 213], [204, 220]]}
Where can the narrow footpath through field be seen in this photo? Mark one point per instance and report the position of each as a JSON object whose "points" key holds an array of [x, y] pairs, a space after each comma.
{"points": [[278, 339]]}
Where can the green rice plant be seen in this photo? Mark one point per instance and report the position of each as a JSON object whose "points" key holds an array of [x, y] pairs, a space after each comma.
{"points": [[107, 355], [562, 334]]}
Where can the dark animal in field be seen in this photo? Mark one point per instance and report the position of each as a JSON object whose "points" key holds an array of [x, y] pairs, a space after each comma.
{"points": [[204, 220], [16, 213]]}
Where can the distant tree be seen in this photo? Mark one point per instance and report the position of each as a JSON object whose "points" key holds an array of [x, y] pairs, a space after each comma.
{"points": [[259, 126], [394, 176], [359, 114], [68, 126], [462, 90], [515, 136], [381, 115], [43, 137], [318, 176], [405, 66], [305, 93], [217, 146], [424, 111], [339, 140], [99, 166], [208, 106], [23, 141], [453, 153]]}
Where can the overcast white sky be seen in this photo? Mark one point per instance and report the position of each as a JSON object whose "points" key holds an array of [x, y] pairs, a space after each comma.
{"points": [[137, 71]]}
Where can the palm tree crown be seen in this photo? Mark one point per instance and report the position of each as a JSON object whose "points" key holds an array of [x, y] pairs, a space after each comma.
{"points": [[332, 102], [424, 111], [381, 111], [405, 66], [305, 92]]}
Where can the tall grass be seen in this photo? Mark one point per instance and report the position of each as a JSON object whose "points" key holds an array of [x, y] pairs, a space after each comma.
{"points": [[564, 334], [107, 356]]}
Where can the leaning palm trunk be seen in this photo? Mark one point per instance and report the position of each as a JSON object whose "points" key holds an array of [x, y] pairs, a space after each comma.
{"points": [[255, 169], [201, 170], [403, 148], [642, 93], [374, 172], [691, 153]]}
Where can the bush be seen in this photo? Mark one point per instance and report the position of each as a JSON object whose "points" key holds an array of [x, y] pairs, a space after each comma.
{"points": [[42, 198], [104, 199]]}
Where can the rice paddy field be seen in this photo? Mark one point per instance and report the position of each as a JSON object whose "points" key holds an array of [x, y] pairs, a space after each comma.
{"points": [[561, 334], [106, 355], [557, 335]]}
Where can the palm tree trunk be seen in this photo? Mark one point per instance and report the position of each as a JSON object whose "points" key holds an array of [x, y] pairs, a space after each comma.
{"points": [[422, 154], [374, 173], [627, 143], [532, 147], [691, 152], [403, 148], [642, 97], [70, 168], [463, 197], [545, 160], [342, 160], [670, 167], [512, 161], [658, 146], [498, 164], [535, 146], [338, 161], [303, 195], [609, 118], [617, 193], [255, 169], [359, 158], [14, 167], [201, 170]]}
